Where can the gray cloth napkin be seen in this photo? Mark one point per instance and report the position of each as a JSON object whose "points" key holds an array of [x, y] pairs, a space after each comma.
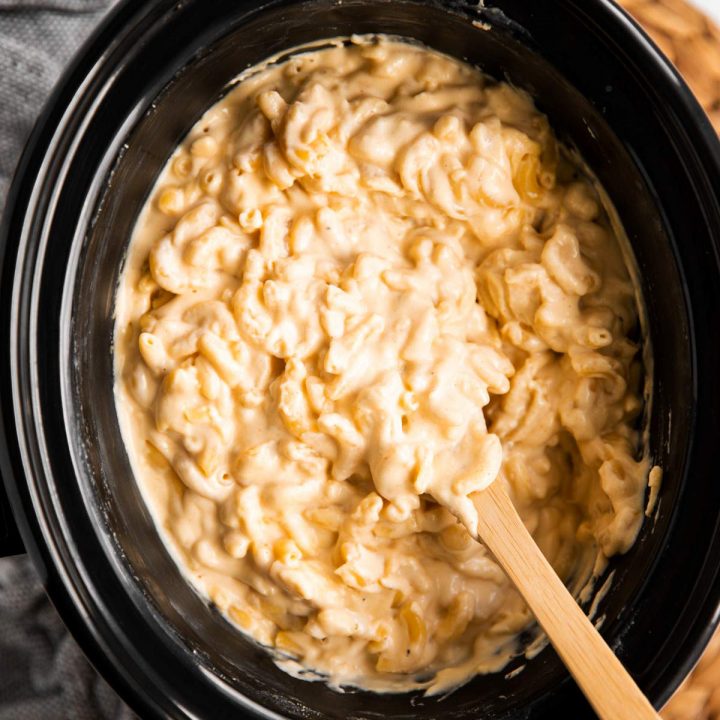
{"points": [[37, 39], [43, 673]]}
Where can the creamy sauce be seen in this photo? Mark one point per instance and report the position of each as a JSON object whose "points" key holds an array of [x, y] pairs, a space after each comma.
{"points": [[368, 284]]}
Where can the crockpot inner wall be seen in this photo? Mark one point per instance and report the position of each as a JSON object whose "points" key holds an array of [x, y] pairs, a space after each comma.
{"points": [[123, 519]]}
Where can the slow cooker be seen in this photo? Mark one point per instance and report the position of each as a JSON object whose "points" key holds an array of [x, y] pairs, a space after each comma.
{"points": [[134, 90]]}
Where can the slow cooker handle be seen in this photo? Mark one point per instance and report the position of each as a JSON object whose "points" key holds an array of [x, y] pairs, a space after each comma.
{"points": [[10, 541]]}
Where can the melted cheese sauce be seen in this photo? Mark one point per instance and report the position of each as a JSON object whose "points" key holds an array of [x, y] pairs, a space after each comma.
{"points": [[368, 284]]}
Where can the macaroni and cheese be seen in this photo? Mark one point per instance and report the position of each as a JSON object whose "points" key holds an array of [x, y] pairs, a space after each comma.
{"points": [[368, 284]]}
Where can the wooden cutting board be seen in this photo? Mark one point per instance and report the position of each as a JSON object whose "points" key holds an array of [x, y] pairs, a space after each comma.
{"points": [[692, 41]]}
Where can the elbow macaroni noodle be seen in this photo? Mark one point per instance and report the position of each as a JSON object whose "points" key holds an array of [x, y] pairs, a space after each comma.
{"points": [[367, 285]]}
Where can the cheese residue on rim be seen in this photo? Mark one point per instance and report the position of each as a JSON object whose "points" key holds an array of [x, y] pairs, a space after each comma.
{"points": [[368, 284]]}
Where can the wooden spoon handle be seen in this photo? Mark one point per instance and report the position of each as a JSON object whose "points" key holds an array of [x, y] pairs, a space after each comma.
{"points": [[602, 678]]}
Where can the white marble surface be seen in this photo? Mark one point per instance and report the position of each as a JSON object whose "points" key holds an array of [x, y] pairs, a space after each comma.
{"points": [[711, 7]]}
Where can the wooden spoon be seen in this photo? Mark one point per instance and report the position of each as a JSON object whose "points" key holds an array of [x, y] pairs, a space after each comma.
{"points": [[600, 675]]}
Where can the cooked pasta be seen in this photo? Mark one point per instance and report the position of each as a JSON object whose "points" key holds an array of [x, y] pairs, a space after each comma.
{"points": [[368, 284]]}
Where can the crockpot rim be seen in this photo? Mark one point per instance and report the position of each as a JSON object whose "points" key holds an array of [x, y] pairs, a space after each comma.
{"points": [[34, 518]]}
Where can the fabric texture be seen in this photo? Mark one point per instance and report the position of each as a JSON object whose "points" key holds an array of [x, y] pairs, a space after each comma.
{"points": [[43, 673], [37, 39]]}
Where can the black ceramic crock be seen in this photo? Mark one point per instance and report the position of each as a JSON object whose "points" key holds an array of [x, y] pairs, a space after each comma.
{"points": [[135, 89]]}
